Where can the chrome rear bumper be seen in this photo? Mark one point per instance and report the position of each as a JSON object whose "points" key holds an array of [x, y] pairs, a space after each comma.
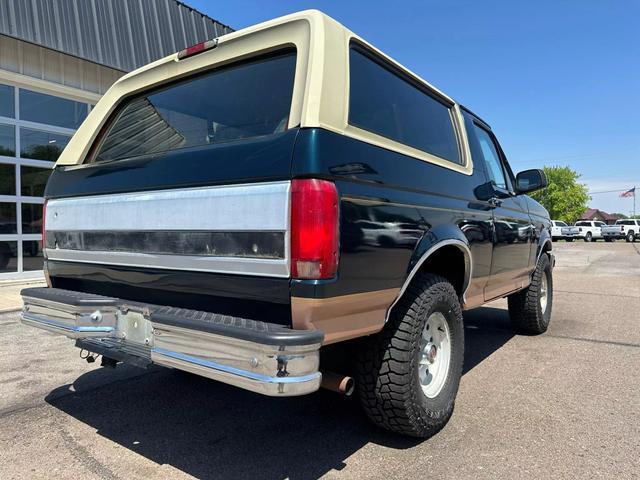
{"points": [[257, 356]]}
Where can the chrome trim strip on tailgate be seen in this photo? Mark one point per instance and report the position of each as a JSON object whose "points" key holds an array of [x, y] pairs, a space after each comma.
{"points": [[197, 263], [256, 207], [253, 207]]}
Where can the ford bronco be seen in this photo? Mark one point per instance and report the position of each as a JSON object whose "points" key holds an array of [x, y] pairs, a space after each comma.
{"points": [[247, 207]]}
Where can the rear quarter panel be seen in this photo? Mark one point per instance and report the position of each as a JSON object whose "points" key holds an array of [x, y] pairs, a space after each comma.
{"points": [[392, 209]]}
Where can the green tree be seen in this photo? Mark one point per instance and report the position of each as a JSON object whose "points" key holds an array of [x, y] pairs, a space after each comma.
{"points": [[564, 197], [42, 152]]}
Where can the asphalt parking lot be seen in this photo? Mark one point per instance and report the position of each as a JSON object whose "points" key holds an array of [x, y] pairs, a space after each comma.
{"points": [[562, 405]]}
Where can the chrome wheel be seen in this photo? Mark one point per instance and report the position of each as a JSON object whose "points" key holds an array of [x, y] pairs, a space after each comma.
{"points": [[435, 355], [543, 293]]}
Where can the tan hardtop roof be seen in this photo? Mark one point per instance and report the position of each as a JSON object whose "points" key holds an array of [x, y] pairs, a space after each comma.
{"points": [[315, 18], [320, 97]]}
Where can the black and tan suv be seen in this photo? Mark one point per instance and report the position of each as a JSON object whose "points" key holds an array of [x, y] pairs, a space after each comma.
{"points": [[247, 206]]}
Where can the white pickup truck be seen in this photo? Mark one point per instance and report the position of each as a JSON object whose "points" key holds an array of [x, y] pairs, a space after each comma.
{"points": [[628, 229], [561, 231], [588, 230]]}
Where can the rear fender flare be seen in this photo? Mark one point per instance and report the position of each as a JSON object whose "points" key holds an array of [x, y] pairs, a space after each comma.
{"points": [[431, 242]]}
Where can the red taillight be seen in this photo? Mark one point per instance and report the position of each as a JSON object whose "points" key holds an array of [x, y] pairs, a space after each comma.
{"points": [[197, 48], [44, 216], [314, 229]]}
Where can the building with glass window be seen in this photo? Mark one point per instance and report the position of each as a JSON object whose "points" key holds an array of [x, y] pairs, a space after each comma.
{"points": [[57, 58]]}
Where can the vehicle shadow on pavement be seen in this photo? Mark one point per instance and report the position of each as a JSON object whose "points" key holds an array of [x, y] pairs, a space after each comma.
{"points": [[486, 330], [209, 430]]}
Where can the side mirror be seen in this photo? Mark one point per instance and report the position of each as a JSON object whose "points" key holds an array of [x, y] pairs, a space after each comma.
{"points": [[530, 181]]}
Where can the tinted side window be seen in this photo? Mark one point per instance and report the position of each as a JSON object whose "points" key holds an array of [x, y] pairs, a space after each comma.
{"points": [[382, 102], [491, 157], [241, 101]]}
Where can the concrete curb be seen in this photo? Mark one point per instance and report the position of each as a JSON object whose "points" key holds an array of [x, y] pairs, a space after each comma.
{"points": [[10, 298], [10, 309]]}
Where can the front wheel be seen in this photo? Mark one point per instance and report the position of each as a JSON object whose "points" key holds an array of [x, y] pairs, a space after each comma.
{"points": [[409, 373], [530, 309]]}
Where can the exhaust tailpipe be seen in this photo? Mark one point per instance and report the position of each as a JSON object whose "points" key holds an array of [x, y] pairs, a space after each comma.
{"points": [[338, 383]]}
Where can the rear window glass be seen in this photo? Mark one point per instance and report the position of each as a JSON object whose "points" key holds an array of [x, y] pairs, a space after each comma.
{"points": [[583, 224], [384, 103], [625, 222], [242, 101]]}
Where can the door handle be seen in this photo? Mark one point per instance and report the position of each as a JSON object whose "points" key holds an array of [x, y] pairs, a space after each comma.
{"points": [[494, 202]]}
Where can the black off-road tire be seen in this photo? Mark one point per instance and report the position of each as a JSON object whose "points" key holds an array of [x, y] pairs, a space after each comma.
{"points": [[525, 311], [388, 381]]}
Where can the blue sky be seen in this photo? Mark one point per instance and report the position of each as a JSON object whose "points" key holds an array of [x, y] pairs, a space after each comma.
{"points": [[559, 81]]}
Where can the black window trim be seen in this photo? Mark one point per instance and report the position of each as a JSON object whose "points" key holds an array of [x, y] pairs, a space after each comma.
{"points": [[359, 47], [278, 50]]}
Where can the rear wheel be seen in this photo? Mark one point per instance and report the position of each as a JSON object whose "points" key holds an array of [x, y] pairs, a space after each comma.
{"points": [[408, 374], [588, 237], [569, 239], [630, 237], [608, 239], [530, 309]]}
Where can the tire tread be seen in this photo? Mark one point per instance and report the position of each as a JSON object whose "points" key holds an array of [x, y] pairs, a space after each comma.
{"points": [[524, 306], [386, 366]]}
